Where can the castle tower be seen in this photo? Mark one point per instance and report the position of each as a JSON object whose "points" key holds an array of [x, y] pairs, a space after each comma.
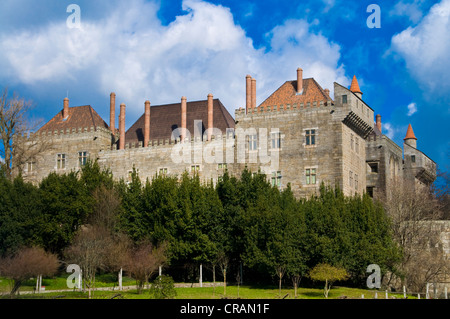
{"points": [[410, 138], [354, 87]]}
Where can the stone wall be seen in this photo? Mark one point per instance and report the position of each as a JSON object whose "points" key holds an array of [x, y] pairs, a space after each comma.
{"points": [[69, 143]]}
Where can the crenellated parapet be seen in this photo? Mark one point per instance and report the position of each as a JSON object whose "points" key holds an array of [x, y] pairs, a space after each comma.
{"points": [[281, 108], [163, 143], [73, 132]]}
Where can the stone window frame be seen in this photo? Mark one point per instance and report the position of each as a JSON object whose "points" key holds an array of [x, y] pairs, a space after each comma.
{"points": [[356, 181], [61, 161], [315, 135], [222, 166], [344, 97], [276, 179], [86, 157], [356, 144], [308, 182], [195, 165], [162, 172], [352, 141], [275, 140], [252, 142], [30, 166], [129, 172]]}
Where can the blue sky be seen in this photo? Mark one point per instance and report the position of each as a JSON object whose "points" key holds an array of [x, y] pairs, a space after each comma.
{"points": [[162, 50]]}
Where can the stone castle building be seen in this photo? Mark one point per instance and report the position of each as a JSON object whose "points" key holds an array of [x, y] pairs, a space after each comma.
{"points": [[299, 135]]}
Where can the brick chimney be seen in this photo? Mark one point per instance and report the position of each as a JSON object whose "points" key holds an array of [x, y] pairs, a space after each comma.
{"points": [[112, 112], [378, 117], [66, 109], [147, 124], [299, 81], [253, 93], [327, 92], [210, 115], [248, 93], [183, 117], [122, 126]]}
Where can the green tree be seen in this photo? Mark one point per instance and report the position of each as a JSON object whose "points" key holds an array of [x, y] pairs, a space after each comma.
{"points": [[20, 212], [66, 206], [328, 274]]}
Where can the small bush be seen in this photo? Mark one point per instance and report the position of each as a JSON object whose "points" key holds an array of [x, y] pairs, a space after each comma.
{"points": [[163, 288]]}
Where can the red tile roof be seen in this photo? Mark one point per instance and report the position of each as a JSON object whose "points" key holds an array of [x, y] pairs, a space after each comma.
{"points": [[287, 94], [79, 117]]}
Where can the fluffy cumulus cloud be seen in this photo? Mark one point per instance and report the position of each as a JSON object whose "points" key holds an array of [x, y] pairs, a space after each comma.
{"points": [[412, 108], [130, 51], [426, 49]]}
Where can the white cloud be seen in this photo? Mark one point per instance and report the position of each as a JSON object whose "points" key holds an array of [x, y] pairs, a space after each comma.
{"points": [[202, 51], [394, 131], [411, 9], [426, 49], [388, 130], [412, 108]]}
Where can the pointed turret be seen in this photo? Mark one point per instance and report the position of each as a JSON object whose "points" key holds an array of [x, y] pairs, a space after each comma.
{"points": [[410, 138], [354, 87]]}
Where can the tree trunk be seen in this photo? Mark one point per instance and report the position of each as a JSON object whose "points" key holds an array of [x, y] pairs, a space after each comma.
{"points": [[15, 289], [225, 282], [214, 279], [280, 276], [326, 289]]}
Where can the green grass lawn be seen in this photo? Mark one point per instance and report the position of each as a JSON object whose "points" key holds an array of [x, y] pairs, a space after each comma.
{"points": [[233, 291], [60, 282]]}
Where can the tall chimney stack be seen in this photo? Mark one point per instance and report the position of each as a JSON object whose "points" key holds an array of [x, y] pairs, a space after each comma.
{"points": [[147, 124], [248, 93], [112, 112], [299, 81], [253, 93], [66, 109], [122, 126], [379, 122], [210, 115], [327, 92], [183, 117]]}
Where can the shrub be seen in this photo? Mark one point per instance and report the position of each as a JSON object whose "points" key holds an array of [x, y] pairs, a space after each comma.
{"points": [[163, 288]]}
